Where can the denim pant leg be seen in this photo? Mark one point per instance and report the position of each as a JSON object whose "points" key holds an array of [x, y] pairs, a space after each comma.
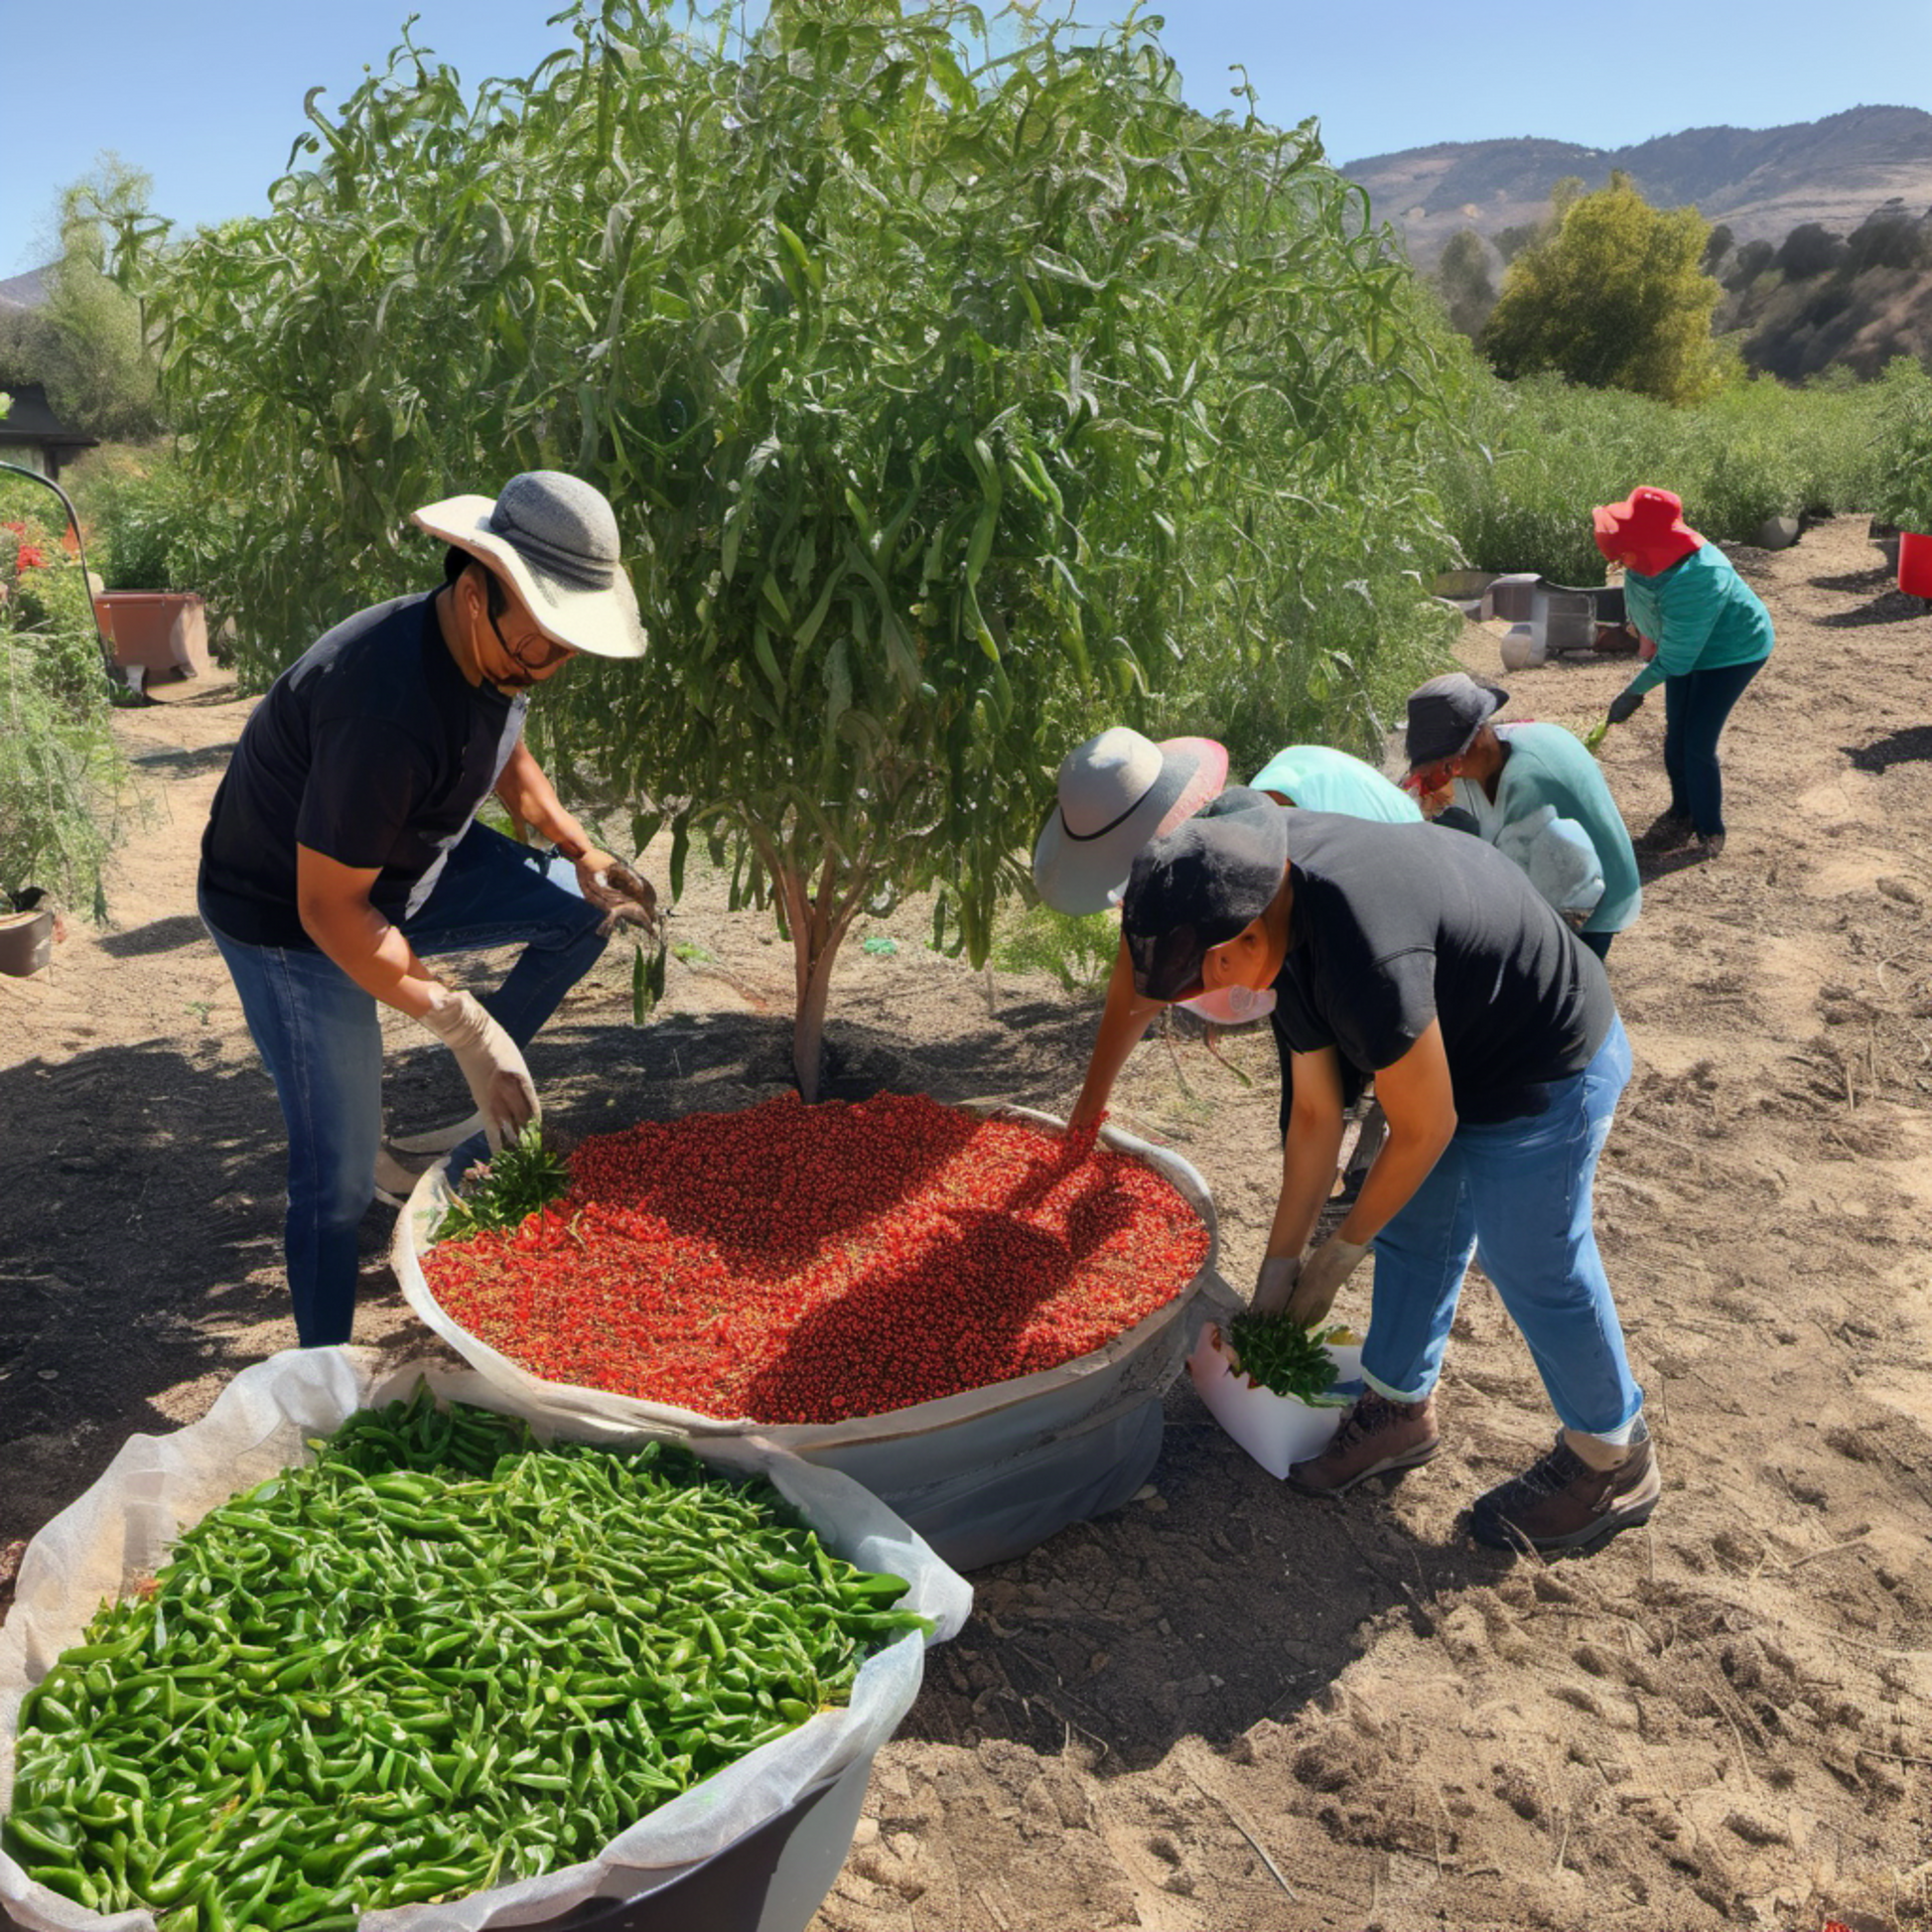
{"points": [[1531, 1182], [493, 892], [1421, 1257], [1695, 719], [318, 1034]]}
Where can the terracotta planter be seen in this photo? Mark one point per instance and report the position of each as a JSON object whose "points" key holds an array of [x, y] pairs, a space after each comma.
{"points": [[161, 632], [26, 942]]}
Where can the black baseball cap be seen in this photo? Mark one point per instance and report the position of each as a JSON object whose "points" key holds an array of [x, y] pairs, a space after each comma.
{"points": [[1198, 887]]}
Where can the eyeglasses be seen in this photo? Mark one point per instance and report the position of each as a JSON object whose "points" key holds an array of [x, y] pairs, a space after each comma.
{"points": [[553, 653]]}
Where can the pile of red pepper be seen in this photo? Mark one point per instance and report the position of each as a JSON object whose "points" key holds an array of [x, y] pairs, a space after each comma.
{"points": [[796, 1264]]}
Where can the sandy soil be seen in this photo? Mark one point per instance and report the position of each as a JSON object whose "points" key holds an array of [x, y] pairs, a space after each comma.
{"points": [[1228, 1706]]}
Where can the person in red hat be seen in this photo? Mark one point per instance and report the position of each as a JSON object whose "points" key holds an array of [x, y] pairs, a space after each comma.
{"points": [[1705, 634]]}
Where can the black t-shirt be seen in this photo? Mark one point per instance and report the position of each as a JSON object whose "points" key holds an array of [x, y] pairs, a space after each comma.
{"points": [[1395, 925], [371, 748]]}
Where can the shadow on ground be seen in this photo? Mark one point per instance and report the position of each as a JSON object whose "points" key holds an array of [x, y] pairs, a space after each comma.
{"points": [[1065, 1640], [1911, 746]]}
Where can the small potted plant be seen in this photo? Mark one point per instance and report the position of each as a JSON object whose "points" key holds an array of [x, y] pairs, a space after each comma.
{"points": [[1275, 1386]]}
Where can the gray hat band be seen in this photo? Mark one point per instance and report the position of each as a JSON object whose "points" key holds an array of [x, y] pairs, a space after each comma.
{"points": [[571, 568]]}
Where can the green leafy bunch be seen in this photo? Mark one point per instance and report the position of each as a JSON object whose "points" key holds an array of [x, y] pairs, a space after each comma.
{"points": [[522, 1175], [1284, 1356]]}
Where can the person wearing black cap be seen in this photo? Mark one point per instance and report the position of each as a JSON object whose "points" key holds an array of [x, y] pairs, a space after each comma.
{"points": [[1430, 963], [1533, 791], [341, 847]]}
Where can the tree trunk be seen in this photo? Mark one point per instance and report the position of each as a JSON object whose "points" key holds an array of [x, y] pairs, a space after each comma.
{"points": [[818, 924]]}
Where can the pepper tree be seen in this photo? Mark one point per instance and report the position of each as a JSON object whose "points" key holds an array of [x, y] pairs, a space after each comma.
{"points": [[950, 401]]}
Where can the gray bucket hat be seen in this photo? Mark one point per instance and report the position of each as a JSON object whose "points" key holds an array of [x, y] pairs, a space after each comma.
{"points": [[1117, 791], [554, 539], [1446, 714]]}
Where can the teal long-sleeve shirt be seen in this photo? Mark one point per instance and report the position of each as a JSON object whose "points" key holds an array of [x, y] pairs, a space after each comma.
{"points": [[1701, 615]]}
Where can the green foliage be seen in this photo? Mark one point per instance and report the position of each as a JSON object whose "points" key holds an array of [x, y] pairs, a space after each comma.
{"points": [[1077, 949], [522, 1175], [153, 525], [61, 780], [1615, 298], [1901, 459], [948, 409], [88, 344], [1547, 452], [1284, 1357]]}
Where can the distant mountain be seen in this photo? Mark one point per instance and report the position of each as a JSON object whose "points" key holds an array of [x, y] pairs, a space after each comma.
{"points": [[1762, 182], [26, 291]]}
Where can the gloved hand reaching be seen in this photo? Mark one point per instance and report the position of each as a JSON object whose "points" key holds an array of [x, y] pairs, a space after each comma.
{"points": [[617, 892], [1323, 1275], [1274, 1284], [1623, 704], [499, 1082]]}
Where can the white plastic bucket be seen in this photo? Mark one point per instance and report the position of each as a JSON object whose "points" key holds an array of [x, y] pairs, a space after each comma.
{"points": [[1276, 1430]]}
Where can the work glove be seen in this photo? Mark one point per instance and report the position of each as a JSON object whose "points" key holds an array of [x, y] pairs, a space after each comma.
{"points": [[617, 892], [1321, 1277], [1623, 704], [1274, 1284], [499, 1082]]}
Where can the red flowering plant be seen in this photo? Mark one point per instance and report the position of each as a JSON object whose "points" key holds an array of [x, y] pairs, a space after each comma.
{"points": [[61, 778]]}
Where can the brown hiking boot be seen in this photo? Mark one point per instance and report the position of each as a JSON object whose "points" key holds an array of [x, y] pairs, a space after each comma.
{"points": [[1376, 1438], [1562, 1503]]}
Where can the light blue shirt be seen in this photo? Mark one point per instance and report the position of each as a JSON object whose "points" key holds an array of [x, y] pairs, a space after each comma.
{"points": [[1321, 780], [1548, 765]]}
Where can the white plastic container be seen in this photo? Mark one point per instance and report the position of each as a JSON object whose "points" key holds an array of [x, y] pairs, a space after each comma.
{"points": [[1276, 1430], [1522, 647]]}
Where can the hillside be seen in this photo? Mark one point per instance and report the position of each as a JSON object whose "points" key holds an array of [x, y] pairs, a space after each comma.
{"points": [[1762, 182]]}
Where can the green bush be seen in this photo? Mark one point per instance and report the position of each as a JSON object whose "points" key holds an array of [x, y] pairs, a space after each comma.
{"points": [[1547, 453], [1902, 458], [61, 780], [150, 526], [1077, 949]]}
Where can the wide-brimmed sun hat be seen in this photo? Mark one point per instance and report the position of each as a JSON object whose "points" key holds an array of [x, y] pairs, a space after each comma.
{"points": [[1647, 528], [1117, 791], [1446, 714], [553, 538], [1194, 889]]}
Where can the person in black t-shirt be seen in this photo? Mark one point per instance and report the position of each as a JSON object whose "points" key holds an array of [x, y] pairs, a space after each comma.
{"points": [[342, 848], [1430, 962]]}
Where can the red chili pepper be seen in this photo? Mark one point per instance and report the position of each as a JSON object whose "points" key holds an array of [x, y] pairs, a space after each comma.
{"points": [[794, 1263]]}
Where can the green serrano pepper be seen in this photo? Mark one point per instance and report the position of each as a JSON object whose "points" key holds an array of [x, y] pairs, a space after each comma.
{"points": [[438, 1656]]}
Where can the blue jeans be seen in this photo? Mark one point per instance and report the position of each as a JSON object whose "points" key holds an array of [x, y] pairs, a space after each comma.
{"points": [[1516, 1194], [321, 1039], [1696, 706]]}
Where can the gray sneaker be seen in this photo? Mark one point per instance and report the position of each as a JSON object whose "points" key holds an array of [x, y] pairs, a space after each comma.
{"points": [[1377, 1436]]}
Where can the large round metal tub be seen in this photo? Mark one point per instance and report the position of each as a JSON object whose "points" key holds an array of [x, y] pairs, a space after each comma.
{"points": [[982, 1475]]}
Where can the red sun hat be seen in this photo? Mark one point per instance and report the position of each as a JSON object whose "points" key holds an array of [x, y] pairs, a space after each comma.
{"points": [[1646, 530]]}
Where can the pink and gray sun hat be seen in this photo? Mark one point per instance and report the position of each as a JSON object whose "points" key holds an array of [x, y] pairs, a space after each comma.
{"points": [[554, 539], [1117, 791]]}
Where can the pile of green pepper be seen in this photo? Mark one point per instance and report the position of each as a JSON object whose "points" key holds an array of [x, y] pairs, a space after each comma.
{"points": [[438, 1658]]}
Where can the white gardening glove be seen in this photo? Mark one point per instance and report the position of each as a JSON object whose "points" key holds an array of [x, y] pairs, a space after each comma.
{"points": [[499, 1082], [1321, 1277], [1274, 1284]]}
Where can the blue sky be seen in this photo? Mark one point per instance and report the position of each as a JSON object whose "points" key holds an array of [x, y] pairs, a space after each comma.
{"points": [[206, 95]]}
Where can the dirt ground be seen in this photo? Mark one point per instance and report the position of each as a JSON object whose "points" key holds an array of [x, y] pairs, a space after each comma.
{"points": [[1228, 1706]]}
